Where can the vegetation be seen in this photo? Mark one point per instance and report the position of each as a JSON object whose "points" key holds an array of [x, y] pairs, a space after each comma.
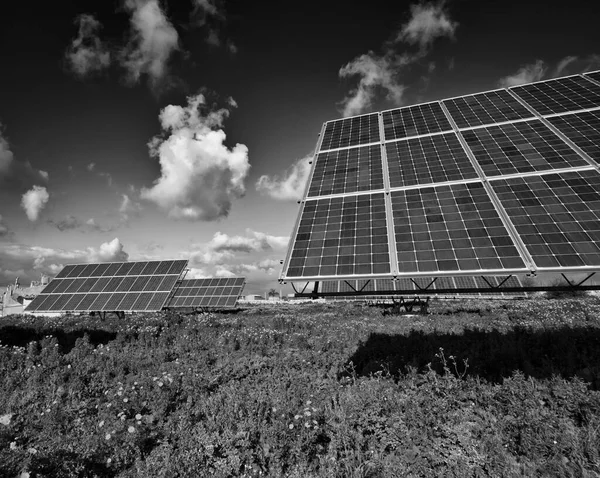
{"points": [[498, 388]]}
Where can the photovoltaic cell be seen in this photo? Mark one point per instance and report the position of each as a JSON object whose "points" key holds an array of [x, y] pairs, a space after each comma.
{"points": [[556, 215], [451, 228], [519, 148], [583, 129], [64, 272], [428, 159], [560, 95], [347, 170], [414, 121], [341, 236], [593, 75], [485, 108], [351, 132]]}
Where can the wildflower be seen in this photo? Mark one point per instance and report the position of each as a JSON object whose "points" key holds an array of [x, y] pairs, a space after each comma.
{"points": [[131, 429], [297, 417], [13, 445], [101, 424], [5, 419], [107, 436], [125, 400], [291, 425], [160, 384], [307, 413], [138, 417], [109, 461], [31, 451]]}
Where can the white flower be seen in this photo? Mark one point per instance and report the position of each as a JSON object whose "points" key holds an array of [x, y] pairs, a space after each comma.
{"points": [[291, 425], [5, 419], [138, 417], [101, 424], [107, 436], [131, 430], [13, 445]]}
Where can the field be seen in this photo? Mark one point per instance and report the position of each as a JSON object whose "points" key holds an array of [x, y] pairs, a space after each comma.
{"points": [[498, 388]]}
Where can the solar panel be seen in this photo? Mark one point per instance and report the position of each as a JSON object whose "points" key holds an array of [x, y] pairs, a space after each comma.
{"points": [[128, 286], [520, 148], [207, 293], [556, 215], [414, 121], [341, 236], [451, 228], [436, 210], [560, 95], [347, 170], [351, 132], [428, 159], [583, 129], [486, 108]]}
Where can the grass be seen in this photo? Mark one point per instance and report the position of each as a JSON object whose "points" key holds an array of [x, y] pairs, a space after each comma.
{"points": [[320, 390]]}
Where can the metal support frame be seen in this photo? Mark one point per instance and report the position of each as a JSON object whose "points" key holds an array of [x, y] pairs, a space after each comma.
{"points": [[499, 284], [419, 288], [579, 283]]}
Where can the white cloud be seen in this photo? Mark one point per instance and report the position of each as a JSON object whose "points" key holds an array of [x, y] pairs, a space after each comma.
{"points": [[15, 174], [428, 22], [381, 72], [3, 228], [33, 201], [200, 176], [73, 223], [28, 261], [526, 74], [153, 40], [90, 167], [563, 64], [253, 241], [291, 185], [129, 208], [87, 54]]}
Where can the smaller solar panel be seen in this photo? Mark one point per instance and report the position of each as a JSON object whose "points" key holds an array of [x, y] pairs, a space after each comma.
{"points": [[210, 292], [428, 159], [572, 93], [520, 148], [414, 121], [347, 170], [351, 132], [486, 108], [583, 129]]}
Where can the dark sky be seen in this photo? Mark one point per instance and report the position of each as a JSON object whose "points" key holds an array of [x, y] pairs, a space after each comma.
{"points": [[279, 61]]}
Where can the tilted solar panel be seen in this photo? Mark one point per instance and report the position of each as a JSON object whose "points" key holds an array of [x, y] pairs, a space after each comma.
{"points": [[207, 293], [350, 132], [571, 93], [414, 121], [451, 228], [347, 170], [557, 216], [486, 108], [594, 75], [520, 148], [583, 129], [428, 159], [110, 287]]}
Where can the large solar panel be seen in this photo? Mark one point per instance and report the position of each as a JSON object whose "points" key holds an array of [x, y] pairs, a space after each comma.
{"points": [[486, 108], [583, 129], [219, 293], [414, 121], [428, 159], [350, 132], [560, 95], [494, 182], [117, 286], [520, 148], [347, 170]]}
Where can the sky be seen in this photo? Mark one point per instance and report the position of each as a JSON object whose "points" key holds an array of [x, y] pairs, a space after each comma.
{"points": [[156, 129]]}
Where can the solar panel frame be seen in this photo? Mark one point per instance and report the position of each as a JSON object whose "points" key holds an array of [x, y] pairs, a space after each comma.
{"points": [[418, 120], [207, 293], [353, 131], [583, 129], [64, 272], [593, 75]]}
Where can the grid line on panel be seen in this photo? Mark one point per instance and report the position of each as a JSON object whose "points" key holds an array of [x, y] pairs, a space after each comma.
{"points": [[414, 121], [594, 75], [556, 215], [347, 171], [583, 129], [350, 132], [560, 95], [520, 148], [428, 159], [485, 108], [451, 228], [341, 236]]}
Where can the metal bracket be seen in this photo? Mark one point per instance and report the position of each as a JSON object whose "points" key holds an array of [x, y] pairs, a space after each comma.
{"points": [[579, 283], [423, 288]]}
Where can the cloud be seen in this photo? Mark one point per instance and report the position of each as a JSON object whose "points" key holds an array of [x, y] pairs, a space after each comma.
{"points": [[540, 70], [196, 273], [129, 208], [210, 14], [291, 185], [33, 201], [17, 175], [428, 22], [381, 72], [200, 176], [253, 241], [90, 167], [152, 42], [87, 54], [3, 228], [28, 262], [72, 223]]}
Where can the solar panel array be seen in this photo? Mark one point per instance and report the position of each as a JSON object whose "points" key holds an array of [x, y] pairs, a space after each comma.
{"points": [[504, 181], [218, 293], [115, 286]]}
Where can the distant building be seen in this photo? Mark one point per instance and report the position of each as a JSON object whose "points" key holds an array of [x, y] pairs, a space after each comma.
{"points": [[15, 298]]}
